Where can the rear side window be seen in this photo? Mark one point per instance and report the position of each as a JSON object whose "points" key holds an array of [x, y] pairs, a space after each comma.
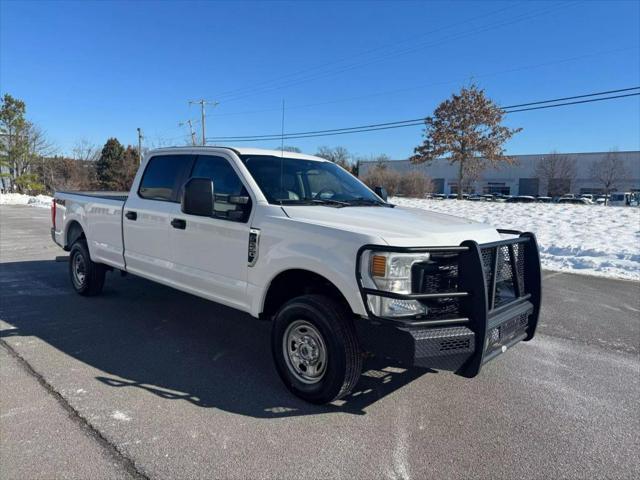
{"points": [[163, 176]]}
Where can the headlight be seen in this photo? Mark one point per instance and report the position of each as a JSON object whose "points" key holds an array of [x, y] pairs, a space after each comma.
{"points": [[391, 272]]}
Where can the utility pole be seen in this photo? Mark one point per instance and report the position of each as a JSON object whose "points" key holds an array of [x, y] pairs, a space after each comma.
{"points": [[202, 103], [140, 137], [191, 131]]}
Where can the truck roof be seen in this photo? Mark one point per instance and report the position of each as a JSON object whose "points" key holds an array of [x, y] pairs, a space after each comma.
{"points": [[239, 151]]}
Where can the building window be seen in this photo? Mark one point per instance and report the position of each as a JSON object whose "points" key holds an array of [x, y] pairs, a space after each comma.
{"points": [[591, 191], [529, 186], [495, 187], [438, 185]]}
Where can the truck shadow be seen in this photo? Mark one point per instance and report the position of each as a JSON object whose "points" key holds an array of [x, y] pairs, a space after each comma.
{"points": [[176, 346]]}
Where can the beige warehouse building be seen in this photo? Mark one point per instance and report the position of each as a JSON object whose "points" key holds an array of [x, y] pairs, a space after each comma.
{"points": [[521, 177]]}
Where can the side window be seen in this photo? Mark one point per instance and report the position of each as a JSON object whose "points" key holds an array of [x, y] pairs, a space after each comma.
{"points": [[226, 183], [162, 177]]}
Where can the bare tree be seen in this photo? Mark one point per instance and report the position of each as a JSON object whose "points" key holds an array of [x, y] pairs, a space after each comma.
{"points": [[381, 176], [467, 129], [288, 148], [36, 151], [415, 184], [557, 172], [472, 172], [24, 148], [85, 151], [338, 155], [609, 171]]}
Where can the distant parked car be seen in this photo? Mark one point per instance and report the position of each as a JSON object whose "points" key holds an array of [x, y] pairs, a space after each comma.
{"points": [[575, 201], [588, 196], [439, 196], [568, 195], [488, 197], [625, 199], [521, 199], [475, 198], [544, 199]]}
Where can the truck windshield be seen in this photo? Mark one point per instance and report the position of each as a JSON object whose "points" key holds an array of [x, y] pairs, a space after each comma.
{"points": [[292, 181]]}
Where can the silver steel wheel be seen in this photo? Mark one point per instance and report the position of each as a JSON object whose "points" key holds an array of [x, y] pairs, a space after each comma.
{"points": [[305, 351], [79, 270]]}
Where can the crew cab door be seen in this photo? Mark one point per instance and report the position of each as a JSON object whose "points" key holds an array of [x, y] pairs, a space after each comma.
{"points": [[148, 213], [209, 254]]}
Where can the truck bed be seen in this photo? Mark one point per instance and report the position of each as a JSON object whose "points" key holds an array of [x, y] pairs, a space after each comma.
{"points": [[104, 194], [99, 214]]}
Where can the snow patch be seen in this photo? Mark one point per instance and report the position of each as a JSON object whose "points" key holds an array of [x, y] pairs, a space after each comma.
{"points": [[586, 239], [40, 201]]}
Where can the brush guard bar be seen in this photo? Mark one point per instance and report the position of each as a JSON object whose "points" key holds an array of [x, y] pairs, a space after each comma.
{"points": [[492, 304]]}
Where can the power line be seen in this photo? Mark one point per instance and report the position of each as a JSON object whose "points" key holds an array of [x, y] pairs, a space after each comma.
{"points": [[575, 103], [420, 121], [572, 98], [430, 84]]}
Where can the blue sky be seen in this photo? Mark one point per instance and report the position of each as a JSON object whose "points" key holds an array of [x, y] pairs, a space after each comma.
{"points": [[99, 69]]}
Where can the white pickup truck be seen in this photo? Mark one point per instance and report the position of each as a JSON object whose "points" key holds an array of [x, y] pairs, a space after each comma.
{"points": [[296, 240]]}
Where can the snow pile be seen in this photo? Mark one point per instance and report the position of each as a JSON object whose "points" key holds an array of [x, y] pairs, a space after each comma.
{"points": [[587, 239], [41, 201]]}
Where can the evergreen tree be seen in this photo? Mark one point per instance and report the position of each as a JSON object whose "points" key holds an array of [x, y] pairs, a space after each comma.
{"points": [[109, 165]]}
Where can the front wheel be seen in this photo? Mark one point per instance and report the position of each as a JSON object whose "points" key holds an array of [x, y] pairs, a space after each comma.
{"points": [[315, 348], [87, 277]]}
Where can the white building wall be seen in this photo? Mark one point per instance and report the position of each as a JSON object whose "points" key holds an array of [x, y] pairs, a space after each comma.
{"points": [[523, 168]]}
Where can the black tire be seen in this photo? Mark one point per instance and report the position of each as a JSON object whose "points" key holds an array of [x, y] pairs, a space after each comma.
{"points": [[343, 359], [87, 277]]}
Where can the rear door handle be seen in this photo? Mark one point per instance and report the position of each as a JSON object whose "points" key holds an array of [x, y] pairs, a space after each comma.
{"points": [[179, 223], [131, 215]]}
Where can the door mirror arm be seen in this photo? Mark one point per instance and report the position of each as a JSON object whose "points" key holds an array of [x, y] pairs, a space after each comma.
{"points": [[238, 199]]}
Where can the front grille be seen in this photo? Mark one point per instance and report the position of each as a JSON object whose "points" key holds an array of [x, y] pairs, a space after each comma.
{"points": [[438, 275], [503, 265]]}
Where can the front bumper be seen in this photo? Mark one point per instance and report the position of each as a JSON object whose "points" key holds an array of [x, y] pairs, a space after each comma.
{"points": [[484, 323]]}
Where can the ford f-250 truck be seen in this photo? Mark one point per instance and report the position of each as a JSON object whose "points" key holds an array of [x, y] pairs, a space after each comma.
{"points": [[298, 241]]}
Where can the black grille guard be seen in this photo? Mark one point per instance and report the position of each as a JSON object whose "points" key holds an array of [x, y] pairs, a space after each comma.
{"points": [[481, 269]]}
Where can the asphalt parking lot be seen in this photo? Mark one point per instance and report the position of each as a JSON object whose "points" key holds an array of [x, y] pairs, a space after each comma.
{"points": [[148, 382]]}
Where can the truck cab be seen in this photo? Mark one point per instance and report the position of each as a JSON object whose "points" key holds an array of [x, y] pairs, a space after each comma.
{"points": [[298, 241]]}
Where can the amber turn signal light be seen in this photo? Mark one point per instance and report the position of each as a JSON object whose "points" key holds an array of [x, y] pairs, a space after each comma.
{"points": [[378, 266]]}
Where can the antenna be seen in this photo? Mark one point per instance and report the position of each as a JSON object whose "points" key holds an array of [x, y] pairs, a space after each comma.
{"points": [[282, 132], [282, 153]]}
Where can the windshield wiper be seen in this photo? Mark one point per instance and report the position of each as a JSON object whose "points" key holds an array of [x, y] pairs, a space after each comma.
{"points": [[367, 201], [314, 201], [328, 201]]}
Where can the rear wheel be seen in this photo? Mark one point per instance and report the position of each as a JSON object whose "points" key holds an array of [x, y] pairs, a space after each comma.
{"points": [[315, 348], [87, 277]]}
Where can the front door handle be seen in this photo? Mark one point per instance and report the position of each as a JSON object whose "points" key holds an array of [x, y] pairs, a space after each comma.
{"points": [[179, 223], [131, 215]]}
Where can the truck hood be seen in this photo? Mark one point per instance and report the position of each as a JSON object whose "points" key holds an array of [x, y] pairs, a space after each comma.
{"points": [[399, 226]]}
